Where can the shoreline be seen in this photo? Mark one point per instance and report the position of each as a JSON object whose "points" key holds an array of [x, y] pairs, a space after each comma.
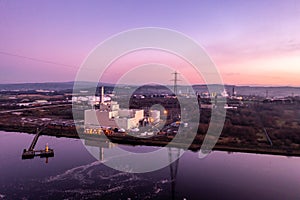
{"points": [[157, 142]]}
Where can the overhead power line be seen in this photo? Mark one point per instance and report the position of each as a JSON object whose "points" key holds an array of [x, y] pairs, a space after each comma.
{"points": [[37, 59]]}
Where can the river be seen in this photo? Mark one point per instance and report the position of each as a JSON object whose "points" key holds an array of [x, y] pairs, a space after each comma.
{"points": [[75, 174]]}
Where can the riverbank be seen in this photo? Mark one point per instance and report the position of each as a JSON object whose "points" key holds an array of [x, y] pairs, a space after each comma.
{"points": [[262, 128], [159, 141]]}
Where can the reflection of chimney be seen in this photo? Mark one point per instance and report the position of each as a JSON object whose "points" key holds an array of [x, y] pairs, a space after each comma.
{"points": [[102, 95], [101, 153]]}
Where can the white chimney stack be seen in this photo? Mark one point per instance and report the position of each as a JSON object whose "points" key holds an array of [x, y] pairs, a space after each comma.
{"points": [[102, 95]]}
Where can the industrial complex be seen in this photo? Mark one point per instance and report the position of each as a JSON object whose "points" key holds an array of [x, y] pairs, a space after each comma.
{"points": [[111, 116]]}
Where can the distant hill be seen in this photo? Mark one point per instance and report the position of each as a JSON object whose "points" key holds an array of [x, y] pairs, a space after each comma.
{"points": [[240, 90], [37, 86], [57, 86]]}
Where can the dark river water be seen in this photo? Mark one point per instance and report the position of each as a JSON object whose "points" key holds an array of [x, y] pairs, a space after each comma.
{"points": [[73, 173]]}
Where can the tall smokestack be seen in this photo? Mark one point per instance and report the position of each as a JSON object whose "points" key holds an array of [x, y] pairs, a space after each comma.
{"points": [[102, 95]]}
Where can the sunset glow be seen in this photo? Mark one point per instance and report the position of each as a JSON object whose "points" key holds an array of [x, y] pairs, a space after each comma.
{"points": [[251, 42]]}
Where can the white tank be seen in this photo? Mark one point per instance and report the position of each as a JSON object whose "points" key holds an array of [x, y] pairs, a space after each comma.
{"points": [[155, 115]]}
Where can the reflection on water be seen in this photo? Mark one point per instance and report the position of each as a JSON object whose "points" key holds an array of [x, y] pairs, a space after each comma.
{"points": [[99, 146], [74, 173]]}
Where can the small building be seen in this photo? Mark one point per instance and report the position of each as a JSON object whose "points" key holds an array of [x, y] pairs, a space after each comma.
{"points": [[24, 104], [41, 102]]}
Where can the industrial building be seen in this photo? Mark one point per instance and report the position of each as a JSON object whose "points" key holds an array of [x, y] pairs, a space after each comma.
{"points": [[110, 115]]}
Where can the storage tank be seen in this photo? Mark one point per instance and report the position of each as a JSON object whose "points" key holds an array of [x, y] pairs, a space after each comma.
{"points": [[154, 115]]}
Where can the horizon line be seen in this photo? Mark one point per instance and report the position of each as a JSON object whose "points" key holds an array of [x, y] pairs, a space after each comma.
{"points": [[195, 84]]}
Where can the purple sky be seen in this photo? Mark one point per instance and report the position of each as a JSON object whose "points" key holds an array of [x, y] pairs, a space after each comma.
{"points": [[251, 42]]}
